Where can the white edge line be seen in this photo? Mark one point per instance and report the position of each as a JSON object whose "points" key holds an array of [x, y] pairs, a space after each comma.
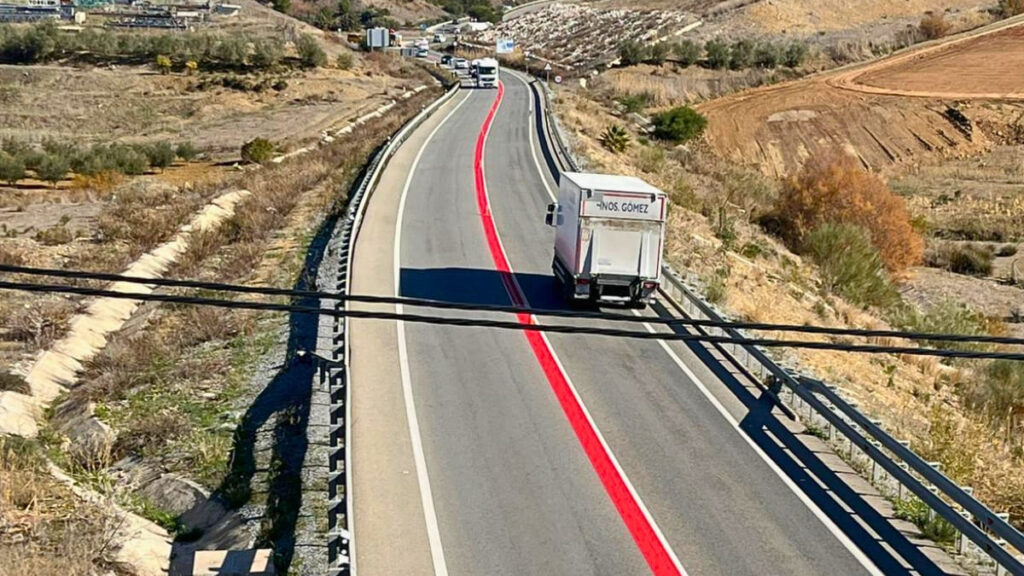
{"points": [[426, 496], [818, 512], [590, 420]]}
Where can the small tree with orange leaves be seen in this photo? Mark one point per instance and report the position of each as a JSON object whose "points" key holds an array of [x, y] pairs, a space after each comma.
{"points": [[835, 189]]}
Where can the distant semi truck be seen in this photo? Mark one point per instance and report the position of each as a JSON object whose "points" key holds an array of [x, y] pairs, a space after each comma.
{"points": [[609, 236]]}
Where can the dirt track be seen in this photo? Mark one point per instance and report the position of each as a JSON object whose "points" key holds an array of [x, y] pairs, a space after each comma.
{"points": [[886, 112]]}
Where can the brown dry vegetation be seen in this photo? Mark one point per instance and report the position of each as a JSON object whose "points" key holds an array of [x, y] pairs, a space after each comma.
{"points": [[754, 276], [45, 530]]}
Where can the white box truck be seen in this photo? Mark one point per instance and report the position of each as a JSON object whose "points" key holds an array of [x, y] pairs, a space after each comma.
{"points": [[486, 72], [609, 234]]}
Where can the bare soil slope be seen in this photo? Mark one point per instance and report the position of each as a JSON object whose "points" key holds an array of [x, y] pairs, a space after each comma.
{"points": [[779, 127]]}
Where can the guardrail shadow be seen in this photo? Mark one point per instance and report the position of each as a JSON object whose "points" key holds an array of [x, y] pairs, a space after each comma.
{"points": [[799, 463], [284, 406]]}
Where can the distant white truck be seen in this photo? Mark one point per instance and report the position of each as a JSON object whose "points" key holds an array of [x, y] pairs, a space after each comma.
{"points": [[486, 72], [609, 237]]}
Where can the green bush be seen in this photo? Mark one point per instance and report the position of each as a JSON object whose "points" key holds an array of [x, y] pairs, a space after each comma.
{"points": [[160, 155], [310, 53], [632, 53], [947, 317], [1010, 8], [849, 264], [258, 151], [266, 53], [679, 124], [128, 160], [32, 158], [12, 168], [687, 52], [53, 169], [657, 53], [741, 55], [718, 55], [933, 526], [615, 139], [795, 54], [768, 55], [186, 151], [967, 259], [345, 61], [636, 103], [1006, 250]]}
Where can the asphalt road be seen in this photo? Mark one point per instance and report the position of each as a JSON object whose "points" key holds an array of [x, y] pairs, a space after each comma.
{"points": [[464, 460]]}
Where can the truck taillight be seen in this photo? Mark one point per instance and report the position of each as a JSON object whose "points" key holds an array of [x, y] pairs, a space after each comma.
{"points": [[583, 281], [649, 286]]}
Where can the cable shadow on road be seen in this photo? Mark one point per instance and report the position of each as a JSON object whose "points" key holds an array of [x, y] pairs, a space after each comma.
{"points": [[799, 463]]}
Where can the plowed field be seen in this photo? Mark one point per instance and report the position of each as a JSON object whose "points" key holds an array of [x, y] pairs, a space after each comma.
{"points": [[886, 113]]}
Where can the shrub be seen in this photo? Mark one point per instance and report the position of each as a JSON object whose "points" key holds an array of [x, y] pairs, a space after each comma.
{"points": [[836, 189], [632, 53], [679, 124], [742, 55], [186, 151], [53, 169], [651, 159], [615, 139], [933, 526], [1000, 394], [1010, 8], [636, 103], [1006, 250], [687, 52], [718, 55], [266, 53], [10, 382], [128, 160], [310, 53], [968, 259], [657, 53], [55, 235], [282, 6], [345, 61], [32, 159], [163, 64], [258, 150], [12, 168], [849, 264], [933, 26], [768, 55], [160, 155], [947, 317], [795, 54]]}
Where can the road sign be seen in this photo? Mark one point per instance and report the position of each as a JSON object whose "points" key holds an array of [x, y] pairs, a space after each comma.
{"points": [[547, 67], [558, 79], [505, 46]]}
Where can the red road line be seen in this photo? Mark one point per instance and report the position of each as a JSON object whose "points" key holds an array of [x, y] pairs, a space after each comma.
{"points": [[646, 536]]}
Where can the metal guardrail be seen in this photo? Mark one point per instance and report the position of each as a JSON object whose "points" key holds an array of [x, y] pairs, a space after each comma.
{"points": [[340, 546], [982, 534]]}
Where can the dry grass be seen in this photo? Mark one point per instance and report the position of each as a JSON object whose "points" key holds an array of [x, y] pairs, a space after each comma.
{"points": [[47, 531]]}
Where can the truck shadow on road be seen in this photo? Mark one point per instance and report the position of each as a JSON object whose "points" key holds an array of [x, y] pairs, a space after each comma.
{"points": [[479, 287], [800, 463]]}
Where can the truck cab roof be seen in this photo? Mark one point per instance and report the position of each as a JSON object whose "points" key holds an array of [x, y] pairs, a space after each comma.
{"points": [[612, 182]]}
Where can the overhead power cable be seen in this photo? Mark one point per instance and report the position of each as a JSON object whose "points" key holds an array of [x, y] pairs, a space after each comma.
{"points": [[427, 303], [507, 325]]}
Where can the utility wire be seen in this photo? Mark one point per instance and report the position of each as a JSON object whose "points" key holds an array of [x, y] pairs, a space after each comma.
{"points": [[425, 303], [508, 325]]}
